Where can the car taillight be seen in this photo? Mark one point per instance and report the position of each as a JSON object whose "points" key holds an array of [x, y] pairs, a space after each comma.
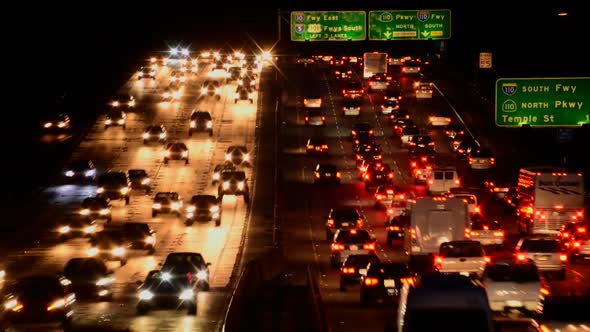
{"points": [[337, 247], [577, 244], [438, 260], [371, 132], [367, 177], [371, 281], [338, 174], [473, 233], [545, 291], [563, 257], [409, 280], [520, 257], [330, 222], [430, 182], [307, 118], [323, 118], [394, 228], [317, 175], [470, 161], [390, 211], [487, 259], [325, 146], [492, 161], [348, 270], [499, 233], [477, 209], [581, 229], [369, 246], [380, 197], [457, 182]]}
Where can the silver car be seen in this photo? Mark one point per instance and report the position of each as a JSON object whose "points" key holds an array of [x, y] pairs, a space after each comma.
{"points": [[545, 252]]}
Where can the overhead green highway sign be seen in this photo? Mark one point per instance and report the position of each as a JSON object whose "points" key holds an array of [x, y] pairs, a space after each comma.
{"points": [[328, 25], [543, 102], [409, 24]]}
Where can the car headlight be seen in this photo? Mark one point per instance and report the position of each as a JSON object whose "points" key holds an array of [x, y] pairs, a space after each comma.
{"points": [[90, 172], [177, 95], [145, 181], [61, 124], [187, 294], [166, 276], [150, 240], [162, 135], [90, 229], [217, 91], [247, 157], [190, 208], [115, 103], [226, 185], [104, 212], [184, 154], [166, 153], [124, 190], [105, 281], [69, 173], [203, 91], [120, 251], [121, 121], [209, 124], [92, 252], [146, 135], [240, 82], [193, 124], [56, 304], [216, 176], [175, 206], [108, 121], [146, 295], [251, 95], [241, 185], [131, 103], [202, 275], [85, 212], [228, 156], [12, 304], [100, 190], [214, 208], [173, 79], [140, 74], [157, 206], [166, 95], [215, 215], [64, 229]]}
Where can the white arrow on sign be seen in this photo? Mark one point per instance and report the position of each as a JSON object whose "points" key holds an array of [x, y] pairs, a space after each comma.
{"points": [[387, 34], [425, 33]]}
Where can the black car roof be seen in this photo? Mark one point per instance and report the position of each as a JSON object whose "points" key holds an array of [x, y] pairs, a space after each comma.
{"points": [[201, 114], [362, 126]]}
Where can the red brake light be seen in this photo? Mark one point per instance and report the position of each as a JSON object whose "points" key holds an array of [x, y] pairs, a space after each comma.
{"points": [[487, 259], [394, 228], [577, 244], [581, 229], [348, 270], [371, 281], [499, 233], [369, 246], [563, 257], [520, 257], [330, 222], [338, 174], [337, 247], [390, 211], [438, 260], [410, 280], [545, 291], [307, 118], [353, 231]]}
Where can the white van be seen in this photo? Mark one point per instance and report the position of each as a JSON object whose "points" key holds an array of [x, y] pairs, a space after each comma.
{"points": [[440, 302], [442, 180]]}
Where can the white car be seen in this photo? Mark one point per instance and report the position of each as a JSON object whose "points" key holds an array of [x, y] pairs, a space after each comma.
{"points": [[545, 252], [488, 233], [465, 257], [424, 90], [407, 134], [482, 158], [389, 106], [352, 107], [515, 285]]}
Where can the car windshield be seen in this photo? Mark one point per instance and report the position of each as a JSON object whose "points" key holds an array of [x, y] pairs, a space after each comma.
{"points": [[540, 246], [136, 228], [204, 200], [390, 103], [461, 250], [361, 127], [178, 147], [361, 260], [354, 86], [84, 267], [78, 165], [112, 178], [166, 197], [396, 269], [512, 272], [238, 176], [357, 236], [314, 112], [456, 320], [39, 288], [346, 214], [327, 168]]}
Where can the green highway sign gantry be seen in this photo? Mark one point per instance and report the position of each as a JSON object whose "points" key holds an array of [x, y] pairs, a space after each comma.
{"points": [[543, 102], [328, 25], [410, 24]]}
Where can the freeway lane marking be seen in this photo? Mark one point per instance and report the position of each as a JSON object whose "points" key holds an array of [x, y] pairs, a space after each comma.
{"points": [[456, 114]]}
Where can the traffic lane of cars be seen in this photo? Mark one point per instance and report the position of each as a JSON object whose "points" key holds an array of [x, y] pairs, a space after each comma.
{"points": [[191, 246]]}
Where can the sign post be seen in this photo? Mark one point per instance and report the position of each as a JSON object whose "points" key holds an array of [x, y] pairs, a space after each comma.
{"points": [[410, 24], [328, 25], [543, 102]]}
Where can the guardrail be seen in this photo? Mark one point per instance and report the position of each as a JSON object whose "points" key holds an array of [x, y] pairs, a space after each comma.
{"points": [[317, 306]]}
